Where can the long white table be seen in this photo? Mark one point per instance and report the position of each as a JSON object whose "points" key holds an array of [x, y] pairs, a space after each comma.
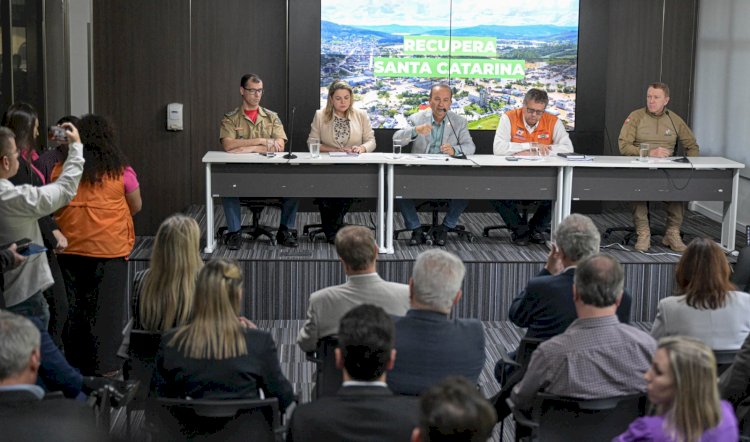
{"points": [[254, 175], [609, 178], [606, 178]]}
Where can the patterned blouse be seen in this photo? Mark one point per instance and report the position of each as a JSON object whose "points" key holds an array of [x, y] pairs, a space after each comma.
{"points": [[341, 130]]}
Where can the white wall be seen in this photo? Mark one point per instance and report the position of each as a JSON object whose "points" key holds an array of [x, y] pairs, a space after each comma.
{"points": [[721, 107], [79, 24]]}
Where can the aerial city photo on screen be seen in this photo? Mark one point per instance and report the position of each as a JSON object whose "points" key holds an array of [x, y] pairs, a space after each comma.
{"points": [[490, 51]]}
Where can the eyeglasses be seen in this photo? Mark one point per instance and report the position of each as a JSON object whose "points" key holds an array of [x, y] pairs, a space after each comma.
{"points": [[253, 91], [534, 111]]}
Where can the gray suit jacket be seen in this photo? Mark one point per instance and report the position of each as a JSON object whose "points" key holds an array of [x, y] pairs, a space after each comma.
{"points": [[329, 305], [463, 143], [721, 329]]}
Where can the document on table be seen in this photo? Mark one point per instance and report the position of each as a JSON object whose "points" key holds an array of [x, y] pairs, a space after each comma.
{"points": [[343, 154], [433, 156]]}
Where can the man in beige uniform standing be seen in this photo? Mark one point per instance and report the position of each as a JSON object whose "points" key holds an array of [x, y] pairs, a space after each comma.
{"points": [[661, 129]]}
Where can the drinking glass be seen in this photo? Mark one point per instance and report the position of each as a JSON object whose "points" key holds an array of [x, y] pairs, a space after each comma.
{"points": [[270, 148], [397, 145], [644, 153], [314, 146]]}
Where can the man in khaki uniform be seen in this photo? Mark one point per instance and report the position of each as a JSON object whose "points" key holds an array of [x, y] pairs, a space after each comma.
{"points": [[661, 129], [251, 128]]}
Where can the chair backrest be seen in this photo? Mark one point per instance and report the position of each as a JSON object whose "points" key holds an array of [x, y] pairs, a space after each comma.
{"points": [[144, 345], [724, 359], [741, 275], [219, 420], [565, 419], [328, 378], [525, 349]]}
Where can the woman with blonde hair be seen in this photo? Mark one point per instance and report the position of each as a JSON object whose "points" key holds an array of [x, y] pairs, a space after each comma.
{"points": [[218, 354], [340, 128], [708, 306], [681, 384], [163, 295]]}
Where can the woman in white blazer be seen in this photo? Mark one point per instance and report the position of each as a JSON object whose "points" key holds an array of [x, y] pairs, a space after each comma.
{"points": [[340, 128], [709, 307]]}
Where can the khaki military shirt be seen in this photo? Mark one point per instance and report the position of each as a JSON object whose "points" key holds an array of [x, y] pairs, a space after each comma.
{"points": [[656, 130], [237, 126]]}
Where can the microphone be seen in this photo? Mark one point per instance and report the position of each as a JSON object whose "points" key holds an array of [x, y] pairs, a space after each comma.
{"points": [[290, 155], [459, 155], [684, 158]]}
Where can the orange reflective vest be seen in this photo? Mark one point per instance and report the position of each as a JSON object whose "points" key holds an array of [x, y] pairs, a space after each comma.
{"points": [[542, 134], [97, 222]]}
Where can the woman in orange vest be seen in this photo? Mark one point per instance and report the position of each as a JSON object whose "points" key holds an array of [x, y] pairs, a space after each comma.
{"points": [[99, 227]]}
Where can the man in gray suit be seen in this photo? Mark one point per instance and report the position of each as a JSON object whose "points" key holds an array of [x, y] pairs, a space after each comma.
{"points": [[357, 251], [434, 131]]}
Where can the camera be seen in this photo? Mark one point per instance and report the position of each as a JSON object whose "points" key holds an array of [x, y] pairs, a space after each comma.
{"points": [[57, 133]]}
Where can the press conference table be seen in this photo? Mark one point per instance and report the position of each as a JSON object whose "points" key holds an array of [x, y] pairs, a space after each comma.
{"points": [[606, 178]]}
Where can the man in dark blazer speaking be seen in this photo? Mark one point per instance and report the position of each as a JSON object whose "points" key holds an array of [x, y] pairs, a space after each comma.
{"points": [[364, 408], [430, 345]]}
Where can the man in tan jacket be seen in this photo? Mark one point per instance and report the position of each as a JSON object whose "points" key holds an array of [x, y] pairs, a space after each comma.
{"points": [[661, 129]]}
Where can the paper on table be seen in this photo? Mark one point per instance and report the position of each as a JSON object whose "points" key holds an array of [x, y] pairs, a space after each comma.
{"points": [[433, 156], [343, 154]]}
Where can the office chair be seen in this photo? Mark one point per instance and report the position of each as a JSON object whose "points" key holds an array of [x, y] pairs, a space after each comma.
{"points": [[328, 378], [429, 230], [219, 420], [554, 418], [255, 229]]}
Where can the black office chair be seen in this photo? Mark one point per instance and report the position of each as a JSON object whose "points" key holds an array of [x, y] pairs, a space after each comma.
{"points": [[328, 378], [724, 359], [140, 366], [741, 274], [219, 420], [525, 207], [255, 229], [429, 230], [554, 418], [312, 231]]}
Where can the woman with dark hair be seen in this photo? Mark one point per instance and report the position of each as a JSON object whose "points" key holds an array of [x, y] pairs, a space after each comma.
{"points": [[219, 354], [708, 306], [23, 120], [99, 225], [340, 127], [57, 154], [681, 385]]}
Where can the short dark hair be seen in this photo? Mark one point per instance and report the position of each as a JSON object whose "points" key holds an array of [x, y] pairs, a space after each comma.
{"points": [[250, 77], [5, 136], [660, 85], [599, 280], [356, 246], [536, 95], [366, 338], [453, 410]]}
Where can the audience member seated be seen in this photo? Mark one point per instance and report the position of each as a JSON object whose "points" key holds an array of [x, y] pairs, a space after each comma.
{"points": [[163, 295], [430, 345], [734, 384], [358, 253], [364, 408], [682, 387], [99, 226], [218, 354], [597, 356], [25, 412], [708, 307], [339, 127], [453, 410], [545, 307], [22, 206]]}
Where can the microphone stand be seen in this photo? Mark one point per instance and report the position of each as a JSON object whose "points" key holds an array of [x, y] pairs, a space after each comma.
{"points": [[290, 155]]}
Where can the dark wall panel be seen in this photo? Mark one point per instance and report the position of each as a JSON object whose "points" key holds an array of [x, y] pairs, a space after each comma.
{"points": [[141, 63], [229, 39]]}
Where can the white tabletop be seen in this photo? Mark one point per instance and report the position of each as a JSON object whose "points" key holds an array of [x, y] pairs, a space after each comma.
{"points": [[500, 160], [659, 163]]}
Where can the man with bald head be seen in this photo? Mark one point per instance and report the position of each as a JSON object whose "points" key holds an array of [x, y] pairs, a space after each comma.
{"points": [[434, 131]]}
